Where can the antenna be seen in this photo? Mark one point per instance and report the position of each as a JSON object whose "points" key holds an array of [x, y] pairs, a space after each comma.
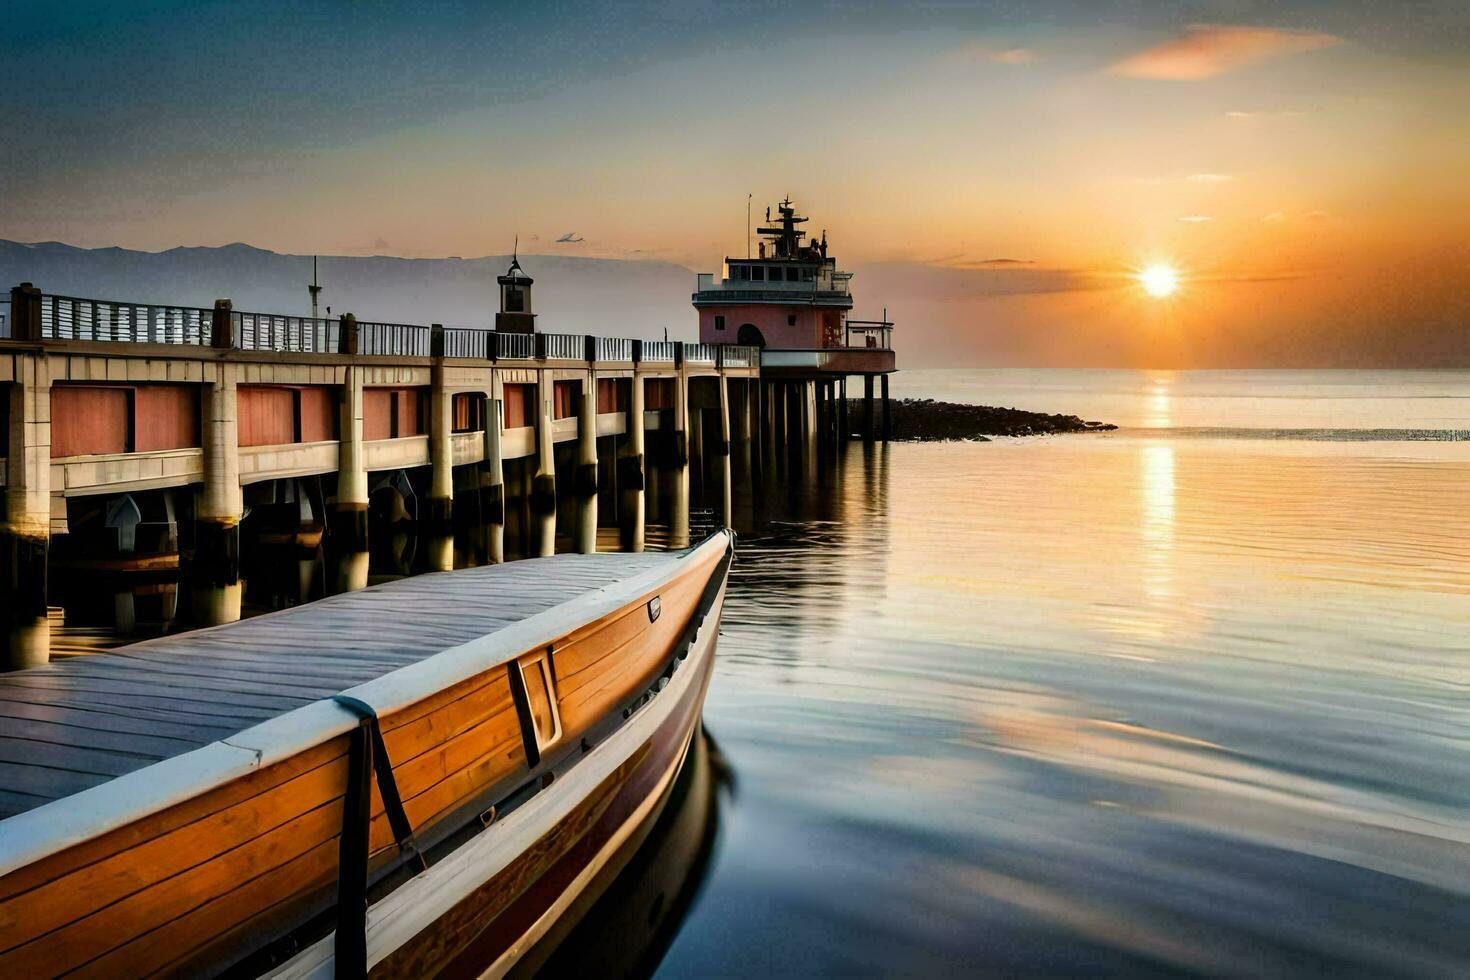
{"points": [[314, 289], [747, 224]]}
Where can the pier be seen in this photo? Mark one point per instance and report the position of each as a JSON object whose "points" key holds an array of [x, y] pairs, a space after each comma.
{"points": [[157, 459]]}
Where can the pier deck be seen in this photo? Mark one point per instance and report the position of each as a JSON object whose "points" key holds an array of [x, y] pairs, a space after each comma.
{"points": [[76, 723]]}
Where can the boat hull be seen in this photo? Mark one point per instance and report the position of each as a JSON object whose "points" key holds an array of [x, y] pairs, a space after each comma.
{"points": [[464, 802]]}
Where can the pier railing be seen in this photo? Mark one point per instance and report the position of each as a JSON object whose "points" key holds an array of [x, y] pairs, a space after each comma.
{"points": [[565, 346], [74, 318], [71, 318], [467, 342], [296, 334], [658, 351], [402, 339], [699, 353]]}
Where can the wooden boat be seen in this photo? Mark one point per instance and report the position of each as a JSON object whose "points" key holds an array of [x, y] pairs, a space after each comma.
{"points": [[416, 778]]}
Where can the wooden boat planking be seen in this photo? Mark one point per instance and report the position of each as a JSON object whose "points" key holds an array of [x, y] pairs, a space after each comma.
{"points": [[189, 864]]}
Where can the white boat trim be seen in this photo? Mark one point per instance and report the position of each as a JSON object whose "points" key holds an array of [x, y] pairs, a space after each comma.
{"points": [[415, 905], [53, 827]]}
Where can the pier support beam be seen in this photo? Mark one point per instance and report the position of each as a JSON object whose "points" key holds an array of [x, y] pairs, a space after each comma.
{"points": [[441, 468], [543, 483], [25, 535], [887, 412], [492, 484], [215, 572], [633, 471], [679, 464], [843, 432], [349, 515], [867, 408], [727, 493], [586, 485]]}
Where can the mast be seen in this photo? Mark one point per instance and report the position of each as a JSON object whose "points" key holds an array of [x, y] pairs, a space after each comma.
{"points": [[314, 289]]}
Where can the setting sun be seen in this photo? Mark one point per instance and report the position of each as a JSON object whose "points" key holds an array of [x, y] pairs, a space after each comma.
{"points": [[1159, 280]]}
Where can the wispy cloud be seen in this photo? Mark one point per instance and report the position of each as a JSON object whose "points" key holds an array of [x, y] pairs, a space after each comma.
{"points": [[1209, 178], [997, 55], [1196, 219], [1263, 114], [1205, 50]]}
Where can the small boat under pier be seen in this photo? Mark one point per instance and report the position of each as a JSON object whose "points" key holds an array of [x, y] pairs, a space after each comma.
{"points": [[425, 776]]}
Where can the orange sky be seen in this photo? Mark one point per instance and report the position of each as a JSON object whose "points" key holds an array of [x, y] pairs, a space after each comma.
{"points": [[1302, 167]]}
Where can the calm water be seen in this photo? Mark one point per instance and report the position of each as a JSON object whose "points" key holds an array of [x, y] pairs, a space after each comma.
{"points": [[1150, 701]]}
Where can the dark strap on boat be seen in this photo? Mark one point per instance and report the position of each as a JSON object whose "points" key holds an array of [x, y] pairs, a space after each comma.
{"points": [[383, 769]]}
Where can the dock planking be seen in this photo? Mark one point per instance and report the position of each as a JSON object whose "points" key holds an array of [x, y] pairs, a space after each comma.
{"points": [[76, 723]]}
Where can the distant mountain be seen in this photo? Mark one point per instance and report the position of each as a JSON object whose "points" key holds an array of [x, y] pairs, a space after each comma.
{"points": [[571, 295]]}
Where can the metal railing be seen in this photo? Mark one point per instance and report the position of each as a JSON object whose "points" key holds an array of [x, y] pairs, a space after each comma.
{"points": [[466, 342], [72, 318], [566, 346], [739, 355], [876, 334], [296, 334], [659, 350], [516, 345], [699, 353], [614, 349], [404, 339]]}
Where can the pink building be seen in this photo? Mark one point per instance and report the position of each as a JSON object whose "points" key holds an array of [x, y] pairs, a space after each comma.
{"points": [[792, 301]]}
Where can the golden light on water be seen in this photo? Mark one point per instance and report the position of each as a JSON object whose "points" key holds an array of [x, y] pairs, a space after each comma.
{"points": [[1159, 280]]}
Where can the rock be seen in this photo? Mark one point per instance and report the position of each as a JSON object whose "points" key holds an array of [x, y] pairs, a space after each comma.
{"points": [[927, 420]]}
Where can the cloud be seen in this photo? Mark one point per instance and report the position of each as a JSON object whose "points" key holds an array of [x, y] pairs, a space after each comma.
{"points": [[1209, 178], [1205, 51], [1259, 114], [1196, 219], [1275, 216], [1001, 56]]}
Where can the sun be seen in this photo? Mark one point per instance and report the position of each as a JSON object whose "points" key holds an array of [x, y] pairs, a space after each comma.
{"points": [[1159, 280]]}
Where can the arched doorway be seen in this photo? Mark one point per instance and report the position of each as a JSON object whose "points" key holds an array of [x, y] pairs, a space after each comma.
{"points": [[750, 335]]}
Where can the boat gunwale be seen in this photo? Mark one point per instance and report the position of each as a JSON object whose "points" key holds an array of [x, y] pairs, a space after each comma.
{"points": [[53, 827]]}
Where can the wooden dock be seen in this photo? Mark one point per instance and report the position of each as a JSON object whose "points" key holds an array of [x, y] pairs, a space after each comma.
{"points": [[80, 722]]}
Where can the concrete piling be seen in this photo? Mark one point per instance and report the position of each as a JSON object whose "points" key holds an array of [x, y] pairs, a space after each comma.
{"points": [[349, 513], [633, 473], [543, 482], [441, 471], [25, 534], [492, 483], [586, 481], [679, 466], [215, 572], [727, 498]]}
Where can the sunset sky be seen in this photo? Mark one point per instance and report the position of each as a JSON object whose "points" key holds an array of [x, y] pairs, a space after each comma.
{"points": [[995, 172]]}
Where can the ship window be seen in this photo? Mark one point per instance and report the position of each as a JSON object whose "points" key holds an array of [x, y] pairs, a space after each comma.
{"points": [[758, 273], [742, 272], [791, 274], [806, 275], [719, 323], [775, 273], [791, 319]]}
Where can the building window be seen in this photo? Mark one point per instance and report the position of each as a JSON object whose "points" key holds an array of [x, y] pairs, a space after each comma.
{"points": [[791, 274], [719, 323], [791, 319], [758, 273]]}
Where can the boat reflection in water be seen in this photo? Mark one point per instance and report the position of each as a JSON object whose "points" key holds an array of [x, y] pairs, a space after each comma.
{"points": [[627, 931]]}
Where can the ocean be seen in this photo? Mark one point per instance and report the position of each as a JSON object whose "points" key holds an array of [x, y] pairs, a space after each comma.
{"points": [[1188, 697]]}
